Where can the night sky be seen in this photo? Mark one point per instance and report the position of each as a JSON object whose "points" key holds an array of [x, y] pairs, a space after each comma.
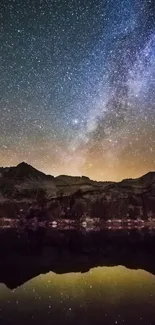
{"points": [[77, 86]]}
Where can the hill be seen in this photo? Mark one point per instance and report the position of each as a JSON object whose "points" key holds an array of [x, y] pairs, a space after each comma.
{"points": [[24, 188]]}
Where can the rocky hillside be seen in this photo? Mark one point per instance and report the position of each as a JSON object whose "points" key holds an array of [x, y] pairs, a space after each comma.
{"points": [[26, 191], [24, 180]]}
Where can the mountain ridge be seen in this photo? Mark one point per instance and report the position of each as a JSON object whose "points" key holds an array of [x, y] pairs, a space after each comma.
{"points": [[24, 188], [23, 166]]}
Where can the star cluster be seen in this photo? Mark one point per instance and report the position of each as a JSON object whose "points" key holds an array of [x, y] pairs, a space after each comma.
{"points": [[77, 86]]}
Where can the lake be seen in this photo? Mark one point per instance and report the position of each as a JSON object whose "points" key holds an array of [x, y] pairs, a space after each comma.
{"points": [[75, 276]]}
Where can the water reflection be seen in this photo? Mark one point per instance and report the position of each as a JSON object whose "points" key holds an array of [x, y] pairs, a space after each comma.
{"points": [[53, 276], [104, 295], [84, 223]]}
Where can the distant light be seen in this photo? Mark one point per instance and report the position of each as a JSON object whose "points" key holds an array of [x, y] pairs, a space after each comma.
{"points": [[84, 224], [54, 224], [75, 121]]}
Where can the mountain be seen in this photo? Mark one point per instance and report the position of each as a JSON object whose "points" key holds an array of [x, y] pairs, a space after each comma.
{"points": [[24, 188], [143, 181], [23, 171], [25, 177]]}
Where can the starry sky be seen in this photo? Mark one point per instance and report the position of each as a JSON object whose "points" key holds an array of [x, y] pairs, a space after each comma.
{"points": [[77, 80]]}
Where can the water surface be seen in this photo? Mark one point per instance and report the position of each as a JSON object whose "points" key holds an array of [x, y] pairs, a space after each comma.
{"points": [[72, 277]]}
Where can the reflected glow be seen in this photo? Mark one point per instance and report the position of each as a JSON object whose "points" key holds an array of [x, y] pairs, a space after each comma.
{"points": [[106, 279], [109, 293]]}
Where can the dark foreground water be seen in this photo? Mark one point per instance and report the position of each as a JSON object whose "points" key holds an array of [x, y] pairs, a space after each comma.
{"points": [[77, 277]]}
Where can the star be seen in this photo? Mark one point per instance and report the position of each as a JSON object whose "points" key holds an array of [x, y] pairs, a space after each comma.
{"points": [[77, 87]]}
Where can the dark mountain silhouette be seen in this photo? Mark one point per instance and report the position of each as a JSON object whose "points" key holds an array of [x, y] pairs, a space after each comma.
{"points": [[145, 180], [23, 171], [23, 186]]}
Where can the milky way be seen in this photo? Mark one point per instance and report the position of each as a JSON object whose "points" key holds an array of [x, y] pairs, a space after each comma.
{"points": [[77, 82]]}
